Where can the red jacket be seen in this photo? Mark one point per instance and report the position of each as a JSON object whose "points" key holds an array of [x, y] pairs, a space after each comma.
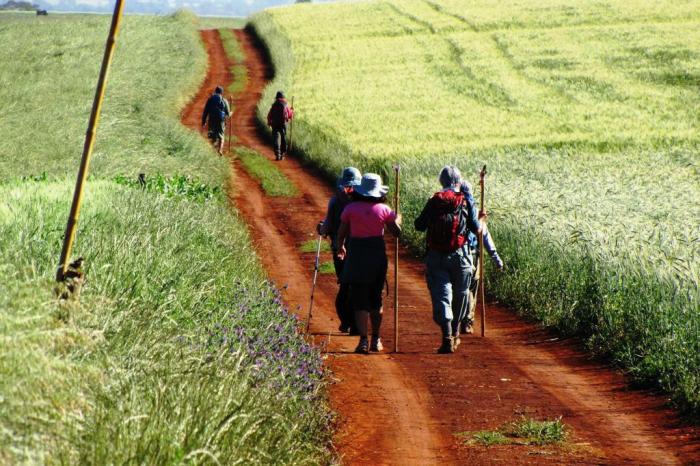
{"points": [[280, 113]]}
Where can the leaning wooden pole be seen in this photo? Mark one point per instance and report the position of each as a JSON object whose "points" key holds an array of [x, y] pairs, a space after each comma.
{"points": [[482, 293], [397, 169], [72, 224]]}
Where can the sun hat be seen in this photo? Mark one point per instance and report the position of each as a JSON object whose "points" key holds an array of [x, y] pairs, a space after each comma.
{"points": [[371, 186], [350, 177], [450, 176]]}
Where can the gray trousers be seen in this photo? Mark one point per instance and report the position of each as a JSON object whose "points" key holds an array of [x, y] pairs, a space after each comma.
{"points": [[448, 276]]}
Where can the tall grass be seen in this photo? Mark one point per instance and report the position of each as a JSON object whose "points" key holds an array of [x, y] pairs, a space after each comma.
{"points": [[179, 350], [584, 114]]}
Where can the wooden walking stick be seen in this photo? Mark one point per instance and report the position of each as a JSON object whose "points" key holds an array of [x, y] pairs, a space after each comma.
{"points": [[291, 129], [481, 292], [230, 122], [74, 214], [397, 169]]}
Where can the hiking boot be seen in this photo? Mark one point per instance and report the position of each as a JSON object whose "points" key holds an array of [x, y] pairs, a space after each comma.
{"points": [[362, 346], [466, 328], [376, 345], [447, 346]]}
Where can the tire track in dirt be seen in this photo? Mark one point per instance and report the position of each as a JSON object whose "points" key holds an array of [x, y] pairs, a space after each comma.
{"points": [[405, 408]]}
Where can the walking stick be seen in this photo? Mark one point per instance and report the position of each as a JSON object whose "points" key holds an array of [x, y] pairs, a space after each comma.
{"points": [[74, 214], [230, 122], [397, 168], [313, 285], [291, 129], [482, 212]]}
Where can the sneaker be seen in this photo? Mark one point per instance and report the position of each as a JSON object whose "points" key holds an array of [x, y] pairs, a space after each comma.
{"points": [[455, 342], [376, 345], [362, 346], [447, 346]]}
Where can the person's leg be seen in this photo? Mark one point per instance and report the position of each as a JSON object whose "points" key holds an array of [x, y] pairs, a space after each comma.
{"points": [[376, 313], [460, 275], [359, 302], [438, 279], [283, 142], [276, 141]]}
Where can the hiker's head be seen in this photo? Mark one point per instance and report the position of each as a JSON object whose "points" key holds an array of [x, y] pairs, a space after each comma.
{"points": [[450, 176], [279, 95], [219, 90], [371, 189], [349, 179]]}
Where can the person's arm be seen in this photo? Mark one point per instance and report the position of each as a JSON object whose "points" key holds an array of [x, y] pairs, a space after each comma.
{"points": [[269, 117], [473, 223], [288, 113], [205, 114], [392, 220], [491, 248], [343, 232], [326, 225], [227, 107], [421, 222]]}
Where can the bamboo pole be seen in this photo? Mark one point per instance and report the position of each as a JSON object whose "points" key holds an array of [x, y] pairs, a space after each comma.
{"points": [[74, 215], [481, 291], [397, 169]]}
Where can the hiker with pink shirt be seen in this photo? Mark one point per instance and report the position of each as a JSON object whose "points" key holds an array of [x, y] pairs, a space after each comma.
{"points": [[361, 242]]}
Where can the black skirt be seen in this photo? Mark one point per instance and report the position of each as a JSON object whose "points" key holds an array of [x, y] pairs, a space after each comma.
{"points": [[366, 261]]}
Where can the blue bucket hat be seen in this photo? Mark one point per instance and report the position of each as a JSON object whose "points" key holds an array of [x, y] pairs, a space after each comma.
{"points": [[349, 177], [371, 186]]}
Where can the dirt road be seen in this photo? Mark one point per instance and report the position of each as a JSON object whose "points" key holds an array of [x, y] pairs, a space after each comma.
{"points": [[407, 408]]}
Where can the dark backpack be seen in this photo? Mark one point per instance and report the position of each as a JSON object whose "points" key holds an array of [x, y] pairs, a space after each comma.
{"points": [[277, 112], [447, 226], [217, 110]]}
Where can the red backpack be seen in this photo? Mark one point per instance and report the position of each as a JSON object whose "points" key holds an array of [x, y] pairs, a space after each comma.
{"points": [[447, 226]]}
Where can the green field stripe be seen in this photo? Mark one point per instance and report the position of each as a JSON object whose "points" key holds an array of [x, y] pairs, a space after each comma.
{"points": [[271, 178]]}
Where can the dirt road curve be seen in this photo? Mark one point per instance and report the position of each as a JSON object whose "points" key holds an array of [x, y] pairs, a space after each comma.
{"points": [[406, 408]]}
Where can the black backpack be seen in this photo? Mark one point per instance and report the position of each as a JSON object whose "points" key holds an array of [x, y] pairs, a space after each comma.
{"points": [[277, 112]]}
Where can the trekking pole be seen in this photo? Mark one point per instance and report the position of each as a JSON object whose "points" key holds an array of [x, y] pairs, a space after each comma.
{"points": [[482, 212], [291, 129], [74, 214], [397, 169], [313, 285], [230, 122]]}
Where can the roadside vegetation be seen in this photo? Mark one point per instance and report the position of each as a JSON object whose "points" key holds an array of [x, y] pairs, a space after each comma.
{"points": [[271, 178], [179, 350], [586, 116], [525, 431]]}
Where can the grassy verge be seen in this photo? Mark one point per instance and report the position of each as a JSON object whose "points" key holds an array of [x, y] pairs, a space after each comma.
{"points": [[179, 350], [272, 180], [589, 208], [235, 54]]}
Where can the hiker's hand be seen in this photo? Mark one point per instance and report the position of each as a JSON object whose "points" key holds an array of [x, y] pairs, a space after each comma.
{"points": [[321, 228], [342, 252], [398, 220], [483, 215]]}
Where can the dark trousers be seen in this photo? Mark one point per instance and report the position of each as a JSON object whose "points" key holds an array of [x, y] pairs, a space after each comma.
{"points": [[342, 299], [279, 141]]}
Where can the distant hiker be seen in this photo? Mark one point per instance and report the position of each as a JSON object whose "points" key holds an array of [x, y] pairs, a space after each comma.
{"points": [[489, 247], [449, 216], [361, 240], [216, 111], [349, 179], [277, 118]]}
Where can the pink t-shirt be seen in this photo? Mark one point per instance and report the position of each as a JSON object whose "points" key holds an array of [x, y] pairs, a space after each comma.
{"points": [[367, 219]]}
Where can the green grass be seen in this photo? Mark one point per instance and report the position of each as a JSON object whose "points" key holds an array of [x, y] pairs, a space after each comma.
{"points": [[50, 88], [213, 22], [586, 116], [326, 267], [179, 350], [526, 431], [271, 178], [312, 244], [237, 56]]}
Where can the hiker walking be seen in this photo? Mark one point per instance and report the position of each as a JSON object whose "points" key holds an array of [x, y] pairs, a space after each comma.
{"points": [[277, 118], [215, 112], [361, 241], [466, 326], [349, 179], [448, 217]]}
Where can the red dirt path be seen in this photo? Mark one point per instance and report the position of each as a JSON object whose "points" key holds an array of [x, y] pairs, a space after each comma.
{"points": [[406, 408]]}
